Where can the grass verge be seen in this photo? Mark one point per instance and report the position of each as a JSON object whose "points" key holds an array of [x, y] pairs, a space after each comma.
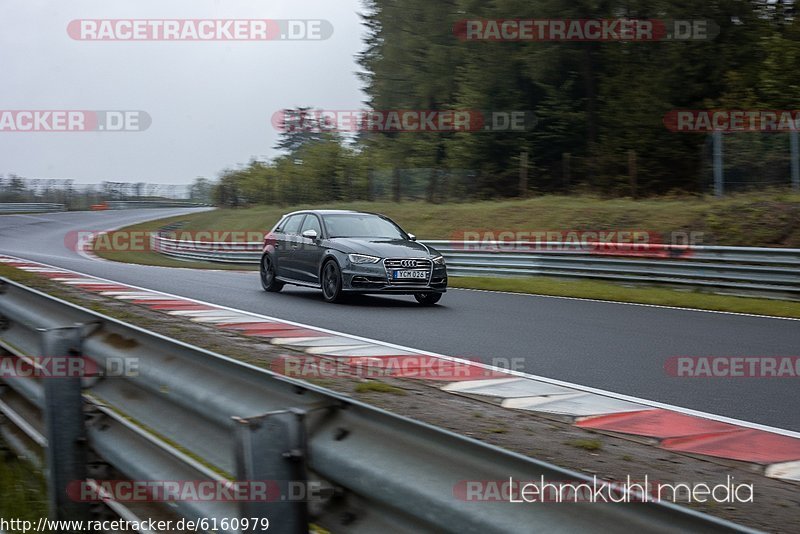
{"points": [[23, 491], [592, 289], [373, 386], [767, 218], [146, 257]]}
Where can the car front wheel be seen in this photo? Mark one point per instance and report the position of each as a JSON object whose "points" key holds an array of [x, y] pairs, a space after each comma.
{"points": [[332, 282], [428, 299], [268, 280]]}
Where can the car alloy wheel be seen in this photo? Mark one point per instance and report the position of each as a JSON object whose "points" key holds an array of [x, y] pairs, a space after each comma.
{"points": [[268, 280], [331, 282]]}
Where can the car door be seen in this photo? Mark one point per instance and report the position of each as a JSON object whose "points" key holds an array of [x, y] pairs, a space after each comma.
{"points": [[287, 242], [309, 253]]}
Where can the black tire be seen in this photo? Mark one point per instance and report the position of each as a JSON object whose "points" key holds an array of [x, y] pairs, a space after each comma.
{"points": [[268, 280], [428, 299], [332, 282]]}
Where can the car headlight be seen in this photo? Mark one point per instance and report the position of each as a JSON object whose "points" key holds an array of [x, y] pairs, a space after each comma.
{"points": [[362, 258], [438, 260]]}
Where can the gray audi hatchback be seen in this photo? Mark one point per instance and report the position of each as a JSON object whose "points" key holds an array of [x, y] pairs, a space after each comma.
{"points": [[341, 252]]}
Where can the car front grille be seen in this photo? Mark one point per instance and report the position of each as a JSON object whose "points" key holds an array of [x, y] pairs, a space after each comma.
{"points": [[409, 264]]}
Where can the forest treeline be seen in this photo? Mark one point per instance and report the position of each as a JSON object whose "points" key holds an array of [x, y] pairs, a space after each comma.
{"points": [[599, 107]]}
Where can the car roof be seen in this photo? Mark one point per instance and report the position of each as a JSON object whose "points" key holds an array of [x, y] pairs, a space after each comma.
{"points": [[332, 212]]}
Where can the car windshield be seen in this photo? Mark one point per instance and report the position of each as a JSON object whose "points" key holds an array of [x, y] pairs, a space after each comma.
{"points": [[362, 225]]}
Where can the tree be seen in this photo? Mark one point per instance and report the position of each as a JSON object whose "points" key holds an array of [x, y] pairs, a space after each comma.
{"points": [[301, 127], [228, 192], [201, 190]]}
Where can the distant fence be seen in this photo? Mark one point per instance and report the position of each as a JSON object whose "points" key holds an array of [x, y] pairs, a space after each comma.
{"points": [[770, 272], [30, 207]]}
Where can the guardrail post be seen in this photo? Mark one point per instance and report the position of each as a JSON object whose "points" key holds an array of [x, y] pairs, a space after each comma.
{"points": [[271, 448], [64, 425]]}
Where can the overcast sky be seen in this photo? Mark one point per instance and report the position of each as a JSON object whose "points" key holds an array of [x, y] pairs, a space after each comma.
{"points": [[210, 102]]}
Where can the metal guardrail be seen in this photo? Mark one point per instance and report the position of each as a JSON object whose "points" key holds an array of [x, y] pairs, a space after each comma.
{"points": [[30, 207], [771, 272], [43, 207], [189, 414], [141, 204]]}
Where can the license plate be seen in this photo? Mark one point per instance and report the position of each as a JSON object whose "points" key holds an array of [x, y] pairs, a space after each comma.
{"points": [[405, 275]]}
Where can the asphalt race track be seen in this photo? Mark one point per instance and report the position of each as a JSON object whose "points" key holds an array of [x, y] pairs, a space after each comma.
{"points": [[621, 348]]}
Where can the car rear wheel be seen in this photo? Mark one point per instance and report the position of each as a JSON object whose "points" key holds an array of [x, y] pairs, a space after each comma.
{"points": [[268, 280], [332, 282], [428, 299]]}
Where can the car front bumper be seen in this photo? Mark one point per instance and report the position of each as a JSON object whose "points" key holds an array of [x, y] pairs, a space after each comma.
{"points": [[375, 278]]}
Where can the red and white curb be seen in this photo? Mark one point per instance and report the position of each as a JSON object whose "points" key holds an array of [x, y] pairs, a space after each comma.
{"points": [[776, 451]]}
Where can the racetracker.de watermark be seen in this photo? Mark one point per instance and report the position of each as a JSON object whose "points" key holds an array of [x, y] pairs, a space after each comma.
{"points": [[583, 30], [144, 491], [614, 242], [143, 241], [42, 120], [200, 29], [66, 367], [403, 120], [414, 366], [732, 120], [733, 366]]}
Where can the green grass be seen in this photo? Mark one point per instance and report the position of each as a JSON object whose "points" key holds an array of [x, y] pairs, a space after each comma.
{"points": [[373, 386], [153, 258], [23, 491], [18, 275], [586, 444], [770, 218], [593, 289]]}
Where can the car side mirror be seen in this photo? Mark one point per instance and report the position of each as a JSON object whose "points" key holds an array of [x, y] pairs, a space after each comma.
{"points": [[412, 237], [311, 234]]}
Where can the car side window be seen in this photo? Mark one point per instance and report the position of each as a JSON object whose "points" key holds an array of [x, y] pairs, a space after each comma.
{"points": [[292, 225], [311, 223]]}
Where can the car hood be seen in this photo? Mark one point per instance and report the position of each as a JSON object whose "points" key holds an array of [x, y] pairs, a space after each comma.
{"points": [[383, 247]]}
